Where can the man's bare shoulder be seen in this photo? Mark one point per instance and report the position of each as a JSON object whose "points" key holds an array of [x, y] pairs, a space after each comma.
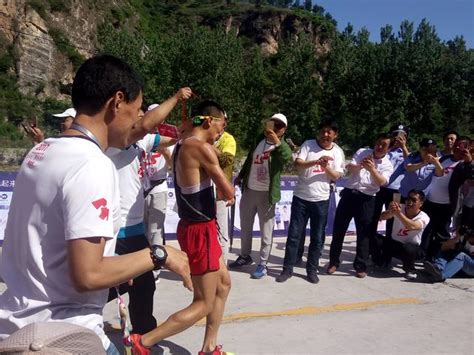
{"points": [[197, 147]]}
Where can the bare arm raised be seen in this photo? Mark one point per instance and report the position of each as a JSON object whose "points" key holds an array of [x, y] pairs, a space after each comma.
{"points": [[153, 118]]}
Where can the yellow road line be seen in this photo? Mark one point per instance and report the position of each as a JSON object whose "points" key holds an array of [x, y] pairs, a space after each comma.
{"points": [[318, 310]]}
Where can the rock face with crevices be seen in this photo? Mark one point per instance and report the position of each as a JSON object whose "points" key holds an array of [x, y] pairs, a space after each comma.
{"points": [[44, 71], [267, 29], [40, 67]]}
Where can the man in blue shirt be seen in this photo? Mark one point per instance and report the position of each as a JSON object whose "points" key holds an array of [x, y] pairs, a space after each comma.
{"points": [[420, 168]]}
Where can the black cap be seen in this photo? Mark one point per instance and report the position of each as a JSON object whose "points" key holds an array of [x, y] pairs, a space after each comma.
{"points": [[426, 142]]}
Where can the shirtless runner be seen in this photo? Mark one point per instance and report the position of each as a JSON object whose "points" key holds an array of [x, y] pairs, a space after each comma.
{"points": [[195, 165]]}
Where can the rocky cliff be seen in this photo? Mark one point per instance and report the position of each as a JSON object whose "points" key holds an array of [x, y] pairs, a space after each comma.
{"points": [[44, 68], [41, 68], [267, 29]]}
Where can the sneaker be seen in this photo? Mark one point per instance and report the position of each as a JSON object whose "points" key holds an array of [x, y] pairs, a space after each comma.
{"points": [[134, 341], [411, 275], [361, 274], [241, 261], [285, 275], [434, 271], [260, 272], [331, 269], [217, 351], [313, 277]]}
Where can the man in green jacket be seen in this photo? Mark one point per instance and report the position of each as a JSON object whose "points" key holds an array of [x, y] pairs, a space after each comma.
{"points": [[260, 181]]}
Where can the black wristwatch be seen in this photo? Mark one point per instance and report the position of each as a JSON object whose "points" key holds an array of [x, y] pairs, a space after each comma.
{"points": [[159, 255]]}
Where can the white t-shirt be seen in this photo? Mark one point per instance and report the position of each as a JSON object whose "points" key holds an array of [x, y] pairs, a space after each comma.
{"points": [[259, 178], [157, 169], [130, 164], [313, 183], [404, 236], [438, 191], [66, 189], [362, 180]]}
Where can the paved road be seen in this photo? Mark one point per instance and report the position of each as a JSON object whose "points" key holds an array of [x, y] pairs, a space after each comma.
{"points": [[381, 314]]}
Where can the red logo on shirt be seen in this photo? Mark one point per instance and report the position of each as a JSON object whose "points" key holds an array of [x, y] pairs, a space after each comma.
{"points": [[448, 169], [260, 158], [153, 158], [102, 204], [318, 169], [402, 232]]}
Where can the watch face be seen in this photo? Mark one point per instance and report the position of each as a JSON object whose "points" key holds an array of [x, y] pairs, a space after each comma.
{"points": [[159, 253]]}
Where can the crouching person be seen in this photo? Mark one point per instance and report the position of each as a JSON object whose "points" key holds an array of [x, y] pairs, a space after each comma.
{"points": [[405, 239], [456, 255]]}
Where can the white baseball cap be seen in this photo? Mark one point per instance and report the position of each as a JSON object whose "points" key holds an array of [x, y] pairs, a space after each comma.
{"points": [[151, 107], [52, 338], [280, 117], [70, 112]]}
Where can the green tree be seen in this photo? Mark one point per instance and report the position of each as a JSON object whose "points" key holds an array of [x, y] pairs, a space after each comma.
{"points": [[296, 88]]}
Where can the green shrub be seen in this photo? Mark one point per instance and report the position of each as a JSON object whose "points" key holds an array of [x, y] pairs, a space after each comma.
{"points": [[65, 47]]}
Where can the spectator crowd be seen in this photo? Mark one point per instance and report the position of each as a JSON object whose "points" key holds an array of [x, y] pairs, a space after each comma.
{"points": [[87, 218]]}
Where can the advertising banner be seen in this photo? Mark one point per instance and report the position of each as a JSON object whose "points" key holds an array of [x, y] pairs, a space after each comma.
{"points": [[282, 209]]}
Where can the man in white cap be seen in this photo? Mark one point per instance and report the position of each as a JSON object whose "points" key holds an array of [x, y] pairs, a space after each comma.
{"points": [[260, 178], [68, 118], [37, 135]]}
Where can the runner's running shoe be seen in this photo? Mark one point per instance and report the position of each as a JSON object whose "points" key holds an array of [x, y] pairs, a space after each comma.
{"points": [[134, 340], [217, 351]]}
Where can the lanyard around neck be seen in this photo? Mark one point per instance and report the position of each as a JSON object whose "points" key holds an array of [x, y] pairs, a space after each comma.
{"points": [[78, 127]]}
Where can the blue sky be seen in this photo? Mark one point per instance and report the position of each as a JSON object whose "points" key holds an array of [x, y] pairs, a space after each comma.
{"points": [[450, 17]]}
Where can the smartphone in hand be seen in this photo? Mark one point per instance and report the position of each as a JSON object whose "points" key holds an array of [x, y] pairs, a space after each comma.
{"points": [[25, 128], [270, 125], [397, 197]]}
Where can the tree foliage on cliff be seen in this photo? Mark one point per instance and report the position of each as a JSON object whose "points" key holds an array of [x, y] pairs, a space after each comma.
{"points": [[410, 77]]}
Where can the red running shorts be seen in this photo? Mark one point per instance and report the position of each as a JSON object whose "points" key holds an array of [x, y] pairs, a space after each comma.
{"points": [[200, 242]]}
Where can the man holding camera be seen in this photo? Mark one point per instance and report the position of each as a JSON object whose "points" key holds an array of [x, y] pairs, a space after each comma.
{"points": [[405, 239], [369, 169], [457, 255], [319, 162], [397, 154], [438, 205], [260, 178]]}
